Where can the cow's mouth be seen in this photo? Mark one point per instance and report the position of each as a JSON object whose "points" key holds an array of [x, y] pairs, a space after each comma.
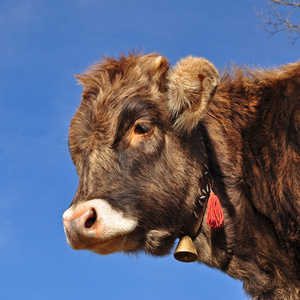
{"points": [[101, 246], [114, 244]]}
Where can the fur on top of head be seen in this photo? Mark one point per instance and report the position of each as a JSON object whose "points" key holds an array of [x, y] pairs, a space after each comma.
{"points": [[191, 86]]}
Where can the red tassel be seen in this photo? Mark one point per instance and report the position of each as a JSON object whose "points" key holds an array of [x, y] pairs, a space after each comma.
{"points": [[215, 217]]}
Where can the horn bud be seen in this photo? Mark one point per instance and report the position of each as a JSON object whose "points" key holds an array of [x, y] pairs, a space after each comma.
{"points": [[186, 251]]}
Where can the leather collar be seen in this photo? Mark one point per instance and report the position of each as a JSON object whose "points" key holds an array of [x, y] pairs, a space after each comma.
{"points": [[193, 228]]}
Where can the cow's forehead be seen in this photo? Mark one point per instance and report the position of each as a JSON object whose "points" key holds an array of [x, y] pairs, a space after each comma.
{"points": [[111, 84]]}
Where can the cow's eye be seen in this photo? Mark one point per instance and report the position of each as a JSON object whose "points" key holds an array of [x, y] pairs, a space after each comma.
{"points": [[143, 128]]}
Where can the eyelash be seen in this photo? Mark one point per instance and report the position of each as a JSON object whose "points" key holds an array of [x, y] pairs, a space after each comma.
{"points": [[143, 128]]}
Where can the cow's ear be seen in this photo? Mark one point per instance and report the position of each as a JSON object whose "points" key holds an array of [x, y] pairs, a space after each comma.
{"points": [[159, 67], [191, 86]]}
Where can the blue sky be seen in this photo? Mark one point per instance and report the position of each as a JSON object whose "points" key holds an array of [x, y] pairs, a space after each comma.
{"points": [[42, 44]]}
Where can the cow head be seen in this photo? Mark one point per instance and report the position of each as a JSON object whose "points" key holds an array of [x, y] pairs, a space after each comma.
{"points": [[138, 152]]}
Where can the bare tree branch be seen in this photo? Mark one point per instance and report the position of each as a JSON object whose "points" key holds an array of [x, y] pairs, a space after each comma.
{"points": [[292, 3], [279, 18]]}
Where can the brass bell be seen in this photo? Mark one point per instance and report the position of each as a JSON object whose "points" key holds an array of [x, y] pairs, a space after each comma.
{"points": [[186, 251]]}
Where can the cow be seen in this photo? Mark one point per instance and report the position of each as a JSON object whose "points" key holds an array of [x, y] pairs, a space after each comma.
{"points": [[168, 152]]}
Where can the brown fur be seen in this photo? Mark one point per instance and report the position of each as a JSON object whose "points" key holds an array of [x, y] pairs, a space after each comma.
{"points": [[254, 129], [248, 135]]}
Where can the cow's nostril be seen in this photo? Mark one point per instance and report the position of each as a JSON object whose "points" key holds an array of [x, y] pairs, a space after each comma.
{"points": [[91, 219]]}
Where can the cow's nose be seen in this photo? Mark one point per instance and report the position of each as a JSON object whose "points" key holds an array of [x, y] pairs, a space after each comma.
{"points": [[95, 224], [80, 226]]}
